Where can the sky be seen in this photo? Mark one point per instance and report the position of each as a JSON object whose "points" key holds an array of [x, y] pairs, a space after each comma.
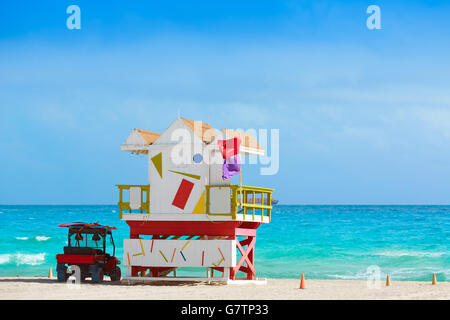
{"points": [[363, 115]]}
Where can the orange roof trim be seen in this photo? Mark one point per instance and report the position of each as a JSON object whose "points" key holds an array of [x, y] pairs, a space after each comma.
{"points": [[201, 129], [148, 136], [247, 140]]}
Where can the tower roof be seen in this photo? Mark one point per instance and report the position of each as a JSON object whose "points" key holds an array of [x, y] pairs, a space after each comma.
{"points": [[248, 141], [148, 136], [201, 129], [139, 140]]}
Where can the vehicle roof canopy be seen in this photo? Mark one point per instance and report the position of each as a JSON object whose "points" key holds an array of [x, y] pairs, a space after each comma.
{"points": [[87, 227]]}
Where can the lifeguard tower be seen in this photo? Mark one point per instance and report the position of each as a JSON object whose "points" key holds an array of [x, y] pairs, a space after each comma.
{"points": [[188, 215]]}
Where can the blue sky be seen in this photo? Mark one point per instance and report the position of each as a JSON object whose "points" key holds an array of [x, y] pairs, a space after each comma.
{"points": [[364, 115]]}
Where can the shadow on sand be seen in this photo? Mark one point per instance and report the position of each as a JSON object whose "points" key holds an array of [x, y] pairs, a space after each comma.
{"points": [[43, 280]]}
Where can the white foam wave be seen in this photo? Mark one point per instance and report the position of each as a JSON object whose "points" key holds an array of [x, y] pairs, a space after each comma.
{"points": [[396, 273], [5, 258], [22, 238], [346, 277], [356, 276], [422, 273], [30, 259], [23, 258], [403, 253], [42, 238]]}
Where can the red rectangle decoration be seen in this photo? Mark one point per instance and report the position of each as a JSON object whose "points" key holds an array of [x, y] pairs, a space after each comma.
{"points": [[183, 193]]}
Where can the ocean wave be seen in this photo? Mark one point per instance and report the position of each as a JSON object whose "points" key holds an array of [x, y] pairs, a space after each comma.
{"points": [[42, 238], [5, 258], [347, 277], [403, 253], [32, 259], [419, 273], [423, 274], [38, 238]]}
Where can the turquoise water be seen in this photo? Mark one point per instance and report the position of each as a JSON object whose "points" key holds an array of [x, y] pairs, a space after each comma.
{"points": [[324, 242]]}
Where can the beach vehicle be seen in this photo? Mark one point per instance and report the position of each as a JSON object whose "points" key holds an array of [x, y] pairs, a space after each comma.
{"points": [[87, 247], [190, 215]]}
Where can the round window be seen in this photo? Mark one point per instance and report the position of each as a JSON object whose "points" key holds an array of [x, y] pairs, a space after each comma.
{"points": [[197, 158]]}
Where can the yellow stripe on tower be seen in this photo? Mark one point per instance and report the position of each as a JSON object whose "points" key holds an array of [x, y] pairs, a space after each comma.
{"points": [[142, 248], [185, 245], [163, 256], [194, 176]]}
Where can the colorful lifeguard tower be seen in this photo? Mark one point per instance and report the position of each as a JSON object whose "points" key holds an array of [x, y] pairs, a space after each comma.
{"points": [[188, 215]]}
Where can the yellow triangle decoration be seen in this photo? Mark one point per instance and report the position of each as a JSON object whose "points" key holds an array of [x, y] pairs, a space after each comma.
{"points": [[194, 176], [200, 206], [157, 162]]}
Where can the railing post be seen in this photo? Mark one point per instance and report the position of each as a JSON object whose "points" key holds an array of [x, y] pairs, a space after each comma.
{"points": [[244, 202], [148, 200], [254, 202], [142, 199], [120, 202], [207, 199], [234, 202], [244, 207]]}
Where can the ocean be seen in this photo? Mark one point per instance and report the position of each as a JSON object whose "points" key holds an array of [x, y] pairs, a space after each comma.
{"points": [[323, 242]]}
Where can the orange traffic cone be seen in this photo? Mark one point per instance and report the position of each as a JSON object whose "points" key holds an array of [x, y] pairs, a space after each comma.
{"points": [[388, 281], [50, 273], [433, 280], [302, 282]]}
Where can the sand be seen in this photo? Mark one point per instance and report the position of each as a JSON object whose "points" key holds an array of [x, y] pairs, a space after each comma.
{"points": [[44, 288]]}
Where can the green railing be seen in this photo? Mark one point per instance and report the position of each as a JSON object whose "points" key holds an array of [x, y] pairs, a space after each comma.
{"points": [[254, 199], [126, 205]]}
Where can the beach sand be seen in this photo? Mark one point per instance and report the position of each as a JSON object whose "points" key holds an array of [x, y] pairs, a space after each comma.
{"points": [[43, 288]]}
